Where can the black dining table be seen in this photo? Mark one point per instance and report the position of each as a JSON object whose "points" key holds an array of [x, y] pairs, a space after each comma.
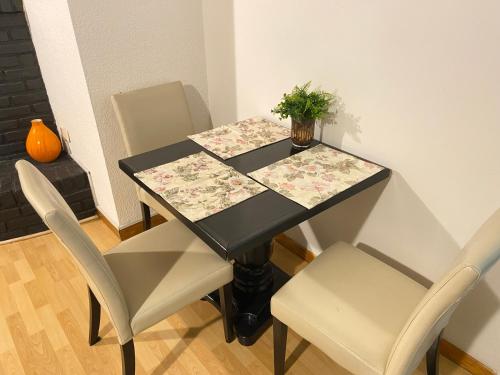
{"points": [[243, 233]]}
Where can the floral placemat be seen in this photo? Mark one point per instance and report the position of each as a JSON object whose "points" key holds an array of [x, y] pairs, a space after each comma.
{"points": [[240, 137], [199, 186], [315, 175]]}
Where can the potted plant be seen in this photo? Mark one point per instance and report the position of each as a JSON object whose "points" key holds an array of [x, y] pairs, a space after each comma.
{"points": [[304, 107]]}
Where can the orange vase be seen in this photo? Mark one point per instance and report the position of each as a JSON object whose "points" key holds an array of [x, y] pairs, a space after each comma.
{"points": [[42, 144]]}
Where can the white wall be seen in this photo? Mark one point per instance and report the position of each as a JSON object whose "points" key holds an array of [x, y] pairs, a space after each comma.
{"points": [[129, 44], [59, 60], [219, 50], [419, 82], [90, 50]]}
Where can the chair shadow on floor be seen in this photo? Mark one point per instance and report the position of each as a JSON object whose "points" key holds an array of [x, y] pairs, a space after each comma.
{"points": [[176, 351], [297, 352], [103, 331], [166, 334]]}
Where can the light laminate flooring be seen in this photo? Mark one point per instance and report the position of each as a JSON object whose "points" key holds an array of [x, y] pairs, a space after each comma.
{"points": [[44, 320]]}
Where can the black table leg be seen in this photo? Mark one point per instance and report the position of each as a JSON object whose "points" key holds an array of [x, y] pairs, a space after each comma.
{"points": [[256, 279]]}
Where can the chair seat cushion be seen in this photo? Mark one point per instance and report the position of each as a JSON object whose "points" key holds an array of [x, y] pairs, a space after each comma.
{"points": [[146, 198], [350, 305], [164, 269]]}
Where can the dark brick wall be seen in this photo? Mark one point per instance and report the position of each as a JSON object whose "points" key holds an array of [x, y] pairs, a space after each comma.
{"points": [[23, 98], [22, 92], [7, 6], [18, 218]]}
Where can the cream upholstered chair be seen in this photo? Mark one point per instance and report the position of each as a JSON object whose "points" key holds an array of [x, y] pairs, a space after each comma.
{"points": [[142, 280], [369, 317], [151, 118]]}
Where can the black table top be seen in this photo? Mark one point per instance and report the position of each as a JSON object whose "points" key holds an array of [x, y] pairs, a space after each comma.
{"points": [[254, 221]]}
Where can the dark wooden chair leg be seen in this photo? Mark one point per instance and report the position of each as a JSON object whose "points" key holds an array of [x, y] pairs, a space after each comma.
{"points": [[128, 358], [146, 216], [432, 357], [94, 318], [280, 331], [227, 310]]}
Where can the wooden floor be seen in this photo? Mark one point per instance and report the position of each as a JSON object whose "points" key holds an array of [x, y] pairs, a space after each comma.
{"points": [[43, 324]]}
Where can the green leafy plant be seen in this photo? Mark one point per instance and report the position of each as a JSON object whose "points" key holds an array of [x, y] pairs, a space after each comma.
{"points": [[302, 104]]}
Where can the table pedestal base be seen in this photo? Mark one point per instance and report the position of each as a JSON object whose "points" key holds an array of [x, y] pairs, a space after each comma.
{"points": [[254, 312], [256, 279]]}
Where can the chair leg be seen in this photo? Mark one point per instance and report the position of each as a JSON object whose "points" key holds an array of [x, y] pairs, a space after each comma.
{"points": [[94, 318], [128, 358], [226, 306], [432, 357], [146, 216], [279, 333]]}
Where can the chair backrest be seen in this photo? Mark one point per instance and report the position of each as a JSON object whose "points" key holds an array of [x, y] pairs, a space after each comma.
{"points": [[153, 117], [433, 313], [57, 215]]}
